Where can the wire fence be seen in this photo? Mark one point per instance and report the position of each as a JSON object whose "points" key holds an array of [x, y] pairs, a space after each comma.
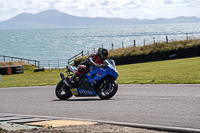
{"points": [[143, 43], [59, 64], [11, 58], [47, 64], [54, 64]]}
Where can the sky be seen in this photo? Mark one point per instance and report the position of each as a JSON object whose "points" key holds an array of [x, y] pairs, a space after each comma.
{"points": [[141, 9]]}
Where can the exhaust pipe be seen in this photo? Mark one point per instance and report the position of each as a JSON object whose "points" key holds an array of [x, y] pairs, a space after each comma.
{"points": [[63, 78]]}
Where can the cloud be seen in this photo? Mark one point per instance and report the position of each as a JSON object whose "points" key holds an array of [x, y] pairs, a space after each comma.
{"points": [[142, 9]]}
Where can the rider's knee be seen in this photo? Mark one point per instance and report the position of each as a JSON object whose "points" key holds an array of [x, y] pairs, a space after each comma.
{"points": [[81, 69]]}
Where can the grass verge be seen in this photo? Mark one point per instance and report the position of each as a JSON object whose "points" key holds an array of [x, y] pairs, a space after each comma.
{"points": [[179, 71], [30, 78], [151, 48]]}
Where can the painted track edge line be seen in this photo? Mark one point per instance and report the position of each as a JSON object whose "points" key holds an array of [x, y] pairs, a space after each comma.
{"points": [[135, 125]]}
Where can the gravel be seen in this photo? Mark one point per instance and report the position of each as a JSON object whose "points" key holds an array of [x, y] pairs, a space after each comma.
{"points": [[97, 128]]}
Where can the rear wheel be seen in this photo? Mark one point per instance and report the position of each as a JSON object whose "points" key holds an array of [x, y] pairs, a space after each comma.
{"points": [[107, 91], [62, 91]]}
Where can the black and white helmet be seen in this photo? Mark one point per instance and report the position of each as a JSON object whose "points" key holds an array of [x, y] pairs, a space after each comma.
{"points": [[103, 53]]}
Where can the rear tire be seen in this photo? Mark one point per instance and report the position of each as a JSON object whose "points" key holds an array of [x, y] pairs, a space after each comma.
{"points": [[109, 91], [62, 91]]}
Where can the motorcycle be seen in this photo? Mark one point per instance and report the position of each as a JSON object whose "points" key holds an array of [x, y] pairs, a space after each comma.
{"points": [[99, 82]]}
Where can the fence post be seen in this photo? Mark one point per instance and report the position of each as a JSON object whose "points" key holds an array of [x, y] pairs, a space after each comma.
{"points": [[122, 44], [49, 63], [94, 50], [82, 53], [144, 42], [134, 44], [187, 36], [4, 58], [112, 46], [166, 39], [154, 40]]}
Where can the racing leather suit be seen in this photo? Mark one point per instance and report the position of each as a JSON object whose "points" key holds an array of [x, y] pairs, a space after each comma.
{"points": [[94, 60]]}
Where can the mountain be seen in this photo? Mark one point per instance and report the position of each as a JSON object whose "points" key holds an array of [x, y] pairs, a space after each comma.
{"points": [[56, 19]]}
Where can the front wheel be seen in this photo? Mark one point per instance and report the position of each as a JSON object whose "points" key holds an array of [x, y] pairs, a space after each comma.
{"points": [[62, 91], [107, 91]]}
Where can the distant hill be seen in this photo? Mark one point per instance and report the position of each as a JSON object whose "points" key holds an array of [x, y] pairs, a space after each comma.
{"points": [[56, 19]]}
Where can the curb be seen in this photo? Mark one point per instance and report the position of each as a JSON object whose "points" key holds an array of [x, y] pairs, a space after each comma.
{"points": [[155, 127], [134, 125]]}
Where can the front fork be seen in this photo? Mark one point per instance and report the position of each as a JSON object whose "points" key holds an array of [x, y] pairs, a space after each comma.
{"points": [[106, 81], [64, 79], [107, 84]]}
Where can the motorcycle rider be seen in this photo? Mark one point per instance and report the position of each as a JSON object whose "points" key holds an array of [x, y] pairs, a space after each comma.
{"points": [[95, 59]]}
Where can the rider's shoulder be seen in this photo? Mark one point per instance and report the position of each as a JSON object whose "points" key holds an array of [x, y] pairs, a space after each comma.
{"points": [[94, 55]]}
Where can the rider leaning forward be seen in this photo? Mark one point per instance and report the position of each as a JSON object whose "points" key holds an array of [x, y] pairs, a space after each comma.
{"points": [[95, 59]]}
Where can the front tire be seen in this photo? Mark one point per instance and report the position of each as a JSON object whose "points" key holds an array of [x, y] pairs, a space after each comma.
{"points": [[107, 92], [62, 91]]}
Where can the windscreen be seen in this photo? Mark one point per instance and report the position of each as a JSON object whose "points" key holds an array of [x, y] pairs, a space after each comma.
{"points": [[112, 62]]}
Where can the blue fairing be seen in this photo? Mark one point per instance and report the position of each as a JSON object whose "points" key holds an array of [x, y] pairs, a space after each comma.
{"points": [[98, 73], [95, 75]]}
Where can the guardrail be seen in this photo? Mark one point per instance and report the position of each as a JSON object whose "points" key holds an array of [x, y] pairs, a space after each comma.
{"points": [[37, 63], [74, 57], [47, 64], [59, 64], [54, 64]]}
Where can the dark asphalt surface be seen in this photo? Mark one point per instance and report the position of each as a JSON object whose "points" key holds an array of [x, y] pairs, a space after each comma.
{"points": [[164, 105]]}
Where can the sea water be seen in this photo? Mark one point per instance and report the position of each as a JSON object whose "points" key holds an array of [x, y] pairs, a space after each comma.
{"points": [[63, 43]]}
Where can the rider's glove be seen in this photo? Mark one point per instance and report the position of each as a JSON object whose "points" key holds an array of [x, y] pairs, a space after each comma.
{"points": [[97, 65], [103, 66]]}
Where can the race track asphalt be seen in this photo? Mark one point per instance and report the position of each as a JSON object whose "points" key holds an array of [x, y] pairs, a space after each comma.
{"points": [[174, 105]]}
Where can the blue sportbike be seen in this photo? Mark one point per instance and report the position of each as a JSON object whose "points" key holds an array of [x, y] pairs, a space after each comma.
{"points": [[99, 82]]}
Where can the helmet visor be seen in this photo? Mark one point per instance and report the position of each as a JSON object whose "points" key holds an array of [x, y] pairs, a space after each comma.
{"points": [[105, 55]]}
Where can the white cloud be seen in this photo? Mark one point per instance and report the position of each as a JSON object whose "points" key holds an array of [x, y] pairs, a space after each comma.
{"points": [[142, 9]]}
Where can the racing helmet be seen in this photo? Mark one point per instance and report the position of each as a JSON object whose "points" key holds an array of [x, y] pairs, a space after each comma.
{"points": [[103, 53]]}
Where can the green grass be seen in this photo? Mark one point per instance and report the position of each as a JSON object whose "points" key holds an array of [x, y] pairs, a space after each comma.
{"points": [[179, 71], [30, 78], [152, 48]]}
